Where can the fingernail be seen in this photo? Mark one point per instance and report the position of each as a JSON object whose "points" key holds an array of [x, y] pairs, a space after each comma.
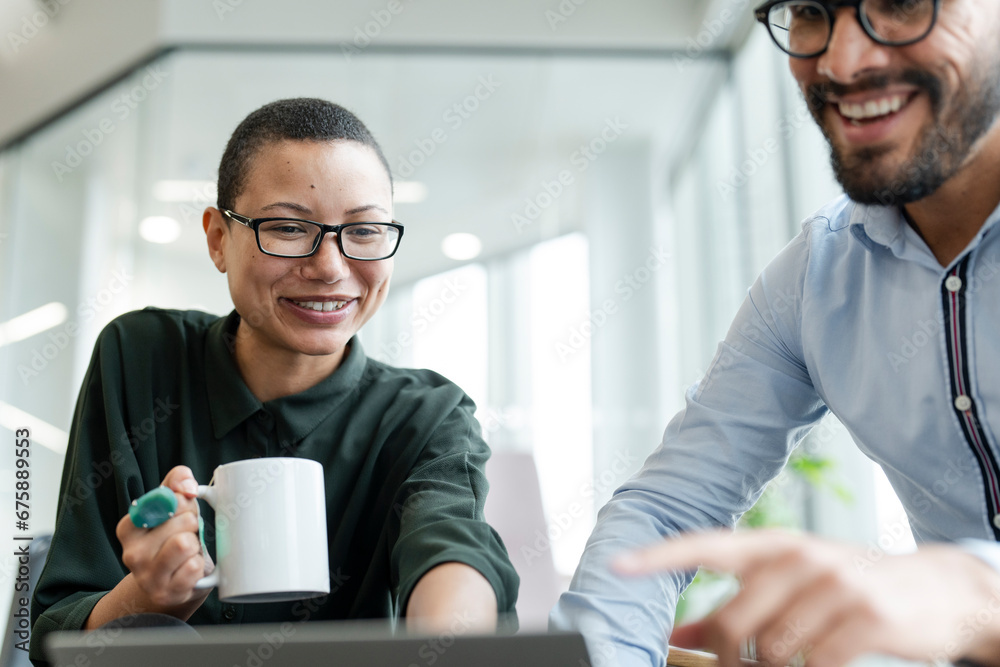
{"points": [[190, 487]]}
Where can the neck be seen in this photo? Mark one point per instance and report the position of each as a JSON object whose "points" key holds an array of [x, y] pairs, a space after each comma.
{"points": [[951, 217], [272, 374]]}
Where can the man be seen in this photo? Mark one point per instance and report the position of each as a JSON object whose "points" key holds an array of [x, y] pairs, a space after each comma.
{"points": [[907, 94]]}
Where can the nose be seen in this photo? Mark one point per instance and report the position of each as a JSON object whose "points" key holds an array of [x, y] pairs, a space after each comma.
{"points": [[328, 264], [851, 52]]}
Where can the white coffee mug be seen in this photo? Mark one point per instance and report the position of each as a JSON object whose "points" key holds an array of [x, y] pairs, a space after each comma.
{"points": [[270, 530]]}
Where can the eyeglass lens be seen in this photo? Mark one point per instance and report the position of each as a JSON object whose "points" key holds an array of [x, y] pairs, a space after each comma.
{"points": [[804, 27], [295, 238]]}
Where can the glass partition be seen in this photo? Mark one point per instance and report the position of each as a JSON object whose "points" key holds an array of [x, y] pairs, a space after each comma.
{"points": [[535, 155]]}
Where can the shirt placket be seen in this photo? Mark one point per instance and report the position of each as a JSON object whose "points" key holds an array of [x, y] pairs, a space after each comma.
{"points": [[260, 433], [958, 332]]}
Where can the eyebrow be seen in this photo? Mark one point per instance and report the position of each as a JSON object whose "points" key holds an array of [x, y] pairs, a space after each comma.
{"points": [[308, 211], [366, 207], [289, 205]]}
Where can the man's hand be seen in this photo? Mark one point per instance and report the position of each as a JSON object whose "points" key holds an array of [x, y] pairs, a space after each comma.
{"points": [[164, 562], [832, 601]]}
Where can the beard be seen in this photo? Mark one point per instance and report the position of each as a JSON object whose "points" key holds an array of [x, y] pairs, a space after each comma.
{"points": [[941, 150]]}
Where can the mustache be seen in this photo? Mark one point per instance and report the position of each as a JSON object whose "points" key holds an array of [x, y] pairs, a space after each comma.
{"points": [[818, 94]]}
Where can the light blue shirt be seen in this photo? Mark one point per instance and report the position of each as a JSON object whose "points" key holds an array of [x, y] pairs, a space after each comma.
{"points": [[854, 316]]}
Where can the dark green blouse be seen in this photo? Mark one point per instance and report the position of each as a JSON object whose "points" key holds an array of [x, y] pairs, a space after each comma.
{"points": [[401, 452]]}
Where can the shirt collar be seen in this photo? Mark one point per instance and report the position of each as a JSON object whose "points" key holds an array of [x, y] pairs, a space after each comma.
{"points": [[886, 226], [231, 401]]}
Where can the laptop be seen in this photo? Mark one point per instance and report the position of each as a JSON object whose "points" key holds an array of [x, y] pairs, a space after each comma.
{"points": [[338, 644]]}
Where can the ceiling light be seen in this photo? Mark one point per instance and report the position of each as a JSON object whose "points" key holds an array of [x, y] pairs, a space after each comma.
{"points": [[409, 192], [159, 229], [33, 322], [461, 246], [205, 192]]}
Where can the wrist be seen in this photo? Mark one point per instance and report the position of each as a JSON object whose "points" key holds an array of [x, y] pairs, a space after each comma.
{"points": [[982, 623], [128, 598]]}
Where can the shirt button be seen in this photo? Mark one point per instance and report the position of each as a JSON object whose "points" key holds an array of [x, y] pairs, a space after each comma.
{"points": [[229, 613], [953, 283], [963, 403]]}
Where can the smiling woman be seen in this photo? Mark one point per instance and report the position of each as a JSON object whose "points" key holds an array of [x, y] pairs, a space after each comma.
{"points": [[308, 261], [300, 312]]}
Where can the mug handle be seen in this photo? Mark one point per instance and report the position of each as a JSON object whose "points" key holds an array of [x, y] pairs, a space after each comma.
{"points": [[207, 493]]}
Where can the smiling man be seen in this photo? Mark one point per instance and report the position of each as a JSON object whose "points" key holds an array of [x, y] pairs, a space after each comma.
{"points": [[304, 233], [907, 93]]}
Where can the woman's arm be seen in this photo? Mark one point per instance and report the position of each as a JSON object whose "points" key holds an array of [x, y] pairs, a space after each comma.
{"points": [[452, 597]]}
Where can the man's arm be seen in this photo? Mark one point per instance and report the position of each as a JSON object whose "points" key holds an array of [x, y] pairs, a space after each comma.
{"points": [[739, 425]]}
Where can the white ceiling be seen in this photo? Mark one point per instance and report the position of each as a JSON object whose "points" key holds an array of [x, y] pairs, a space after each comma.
{"points": [[62, 56], [526, 132], [560, 82]]}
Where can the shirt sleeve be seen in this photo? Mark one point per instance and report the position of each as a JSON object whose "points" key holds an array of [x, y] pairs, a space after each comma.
{"points": [[738, 427], [438, 509], [84, 559]]}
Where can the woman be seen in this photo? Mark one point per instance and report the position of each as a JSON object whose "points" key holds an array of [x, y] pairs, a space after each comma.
{"points": [[171, 395]]}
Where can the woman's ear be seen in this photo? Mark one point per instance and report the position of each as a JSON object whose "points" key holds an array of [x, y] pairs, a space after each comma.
{"points": [[217, 235]]}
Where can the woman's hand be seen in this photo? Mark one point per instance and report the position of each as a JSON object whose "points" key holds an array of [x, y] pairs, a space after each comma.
{"points": [[164, 562], [835, 601]]}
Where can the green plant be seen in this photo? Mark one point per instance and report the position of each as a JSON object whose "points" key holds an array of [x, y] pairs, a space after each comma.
{"points": [[776, 508]]}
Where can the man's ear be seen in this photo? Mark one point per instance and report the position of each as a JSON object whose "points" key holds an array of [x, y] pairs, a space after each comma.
{"points": [[217, 235]]}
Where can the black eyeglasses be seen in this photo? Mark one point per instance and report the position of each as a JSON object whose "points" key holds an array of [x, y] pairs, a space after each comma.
{"points": [[291, 237], [803, 28]]}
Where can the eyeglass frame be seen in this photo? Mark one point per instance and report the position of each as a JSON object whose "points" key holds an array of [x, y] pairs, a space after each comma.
{"points": [[255, 223], [763, 11]]}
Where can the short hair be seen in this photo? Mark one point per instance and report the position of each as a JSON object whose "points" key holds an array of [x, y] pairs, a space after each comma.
{"points": [[299, 119]]}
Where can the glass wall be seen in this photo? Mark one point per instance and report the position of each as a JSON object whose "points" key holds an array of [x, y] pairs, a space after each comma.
{"points": [[755, 170], [557, 164], [609, 195]]}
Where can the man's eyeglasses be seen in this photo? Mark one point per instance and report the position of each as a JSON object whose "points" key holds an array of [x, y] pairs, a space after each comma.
{"points": [[291, 237], [803, 28]]}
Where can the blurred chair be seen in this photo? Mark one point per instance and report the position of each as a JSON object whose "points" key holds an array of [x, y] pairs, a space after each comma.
{"points": [[514, 509], [39, 549]]}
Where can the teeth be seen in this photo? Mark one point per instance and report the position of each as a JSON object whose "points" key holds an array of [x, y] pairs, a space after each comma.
{"points": [[874, 108], [321, 306]]}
